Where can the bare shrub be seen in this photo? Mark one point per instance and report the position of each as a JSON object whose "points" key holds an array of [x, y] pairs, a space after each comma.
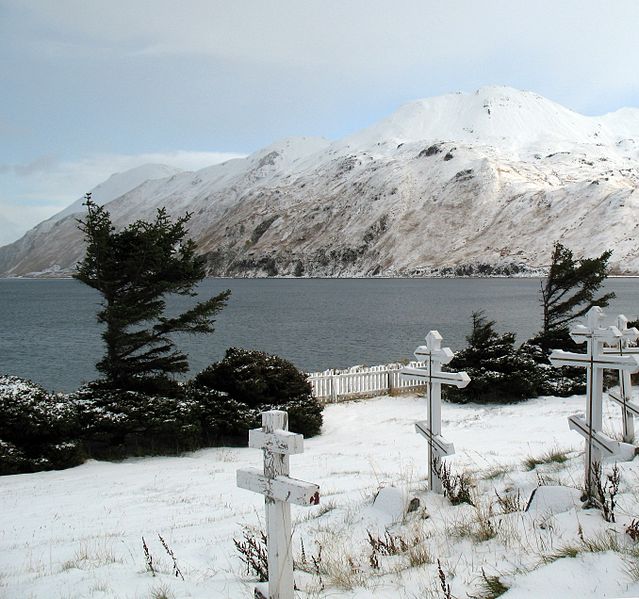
{"points": [[176, 570], [148, 558], [605, 492], [253, 553], [632, 530], [443, 583], [456, 486], [510, 503]]}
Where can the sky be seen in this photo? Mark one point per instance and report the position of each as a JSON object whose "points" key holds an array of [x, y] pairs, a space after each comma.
{"points": [[89, 88]]}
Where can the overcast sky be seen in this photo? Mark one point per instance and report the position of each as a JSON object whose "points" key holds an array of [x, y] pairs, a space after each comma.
{"points": [[91, 87]]}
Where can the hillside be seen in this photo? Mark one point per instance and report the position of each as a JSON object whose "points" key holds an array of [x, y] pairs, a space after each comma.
{"points": [[78, 532], [479, 183]]}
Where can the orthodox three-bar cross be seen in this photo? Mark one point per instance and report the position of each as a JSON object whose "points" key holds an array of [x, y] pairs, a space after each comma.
{"points": [[624, 397], [434, 355], [279, 492], [597, 445]]}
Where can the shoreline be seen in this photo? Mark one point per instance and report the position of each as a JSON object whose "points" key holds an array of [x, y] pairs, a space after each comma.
{"points": [[326, 278]]}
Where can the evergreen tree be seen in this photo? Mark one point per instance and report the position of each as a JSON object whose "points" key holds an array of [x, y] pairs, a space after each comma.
{"points": [[498, 371], [134, 269], [568, 293]]}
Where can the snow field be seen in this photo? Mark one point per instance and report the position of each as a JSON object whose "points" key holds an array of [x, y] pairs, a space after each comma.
{"points": [[78, 533]]}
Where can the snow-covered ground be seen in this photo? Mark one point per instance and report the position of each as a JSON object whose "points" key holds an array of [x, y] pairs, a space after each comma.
{"points": [[78, 533]]}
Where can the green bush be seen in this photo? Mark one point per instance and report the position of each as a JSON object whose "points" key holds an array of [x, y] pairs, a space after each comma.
{"points": [[249, 382], [38, 431], [560, 382], [223, 420], [498, 371]]}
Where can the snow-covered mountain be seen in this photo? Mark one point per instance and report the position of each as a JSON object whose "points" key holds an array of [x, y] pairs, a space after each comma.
{"points": [[45, 237], [116, 185], [473, 183]]}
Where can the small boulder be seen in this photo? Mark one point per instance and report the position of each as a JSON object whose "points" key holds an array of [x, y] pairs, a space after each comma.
{"points": [[392, 502], [553, 500]]}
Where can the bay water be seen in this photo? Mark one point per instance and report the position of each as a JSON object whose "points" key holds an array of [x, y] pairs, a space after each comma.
{"points": [[49, 333]]}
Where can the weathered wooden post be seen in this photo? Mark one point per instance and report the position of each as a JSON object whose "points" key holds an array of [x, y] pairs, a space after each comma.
{"points": [[434, 356], [594, 361], [624, 398], [279, 492]]}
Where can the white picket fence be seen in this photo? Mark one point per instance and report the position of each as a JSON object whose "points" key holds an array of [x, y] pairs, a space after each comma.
{"points": [[332, 386]]}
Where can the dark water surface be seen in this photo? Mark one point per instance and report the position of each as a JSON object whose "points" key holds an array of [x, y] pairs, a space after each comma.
{"points": [[48, 331]]}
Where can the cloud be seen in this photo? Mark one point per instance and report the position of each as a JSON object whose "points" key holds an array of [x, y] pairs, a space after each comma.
{"points": [[569, 48], [37, 190], [342, 34], [40, 164]]}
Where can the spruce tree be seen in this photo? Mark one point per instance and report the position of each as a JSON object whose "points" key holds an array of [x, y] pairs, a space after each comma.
{"points": [[135, 269], [568, 293], [498, 371]]}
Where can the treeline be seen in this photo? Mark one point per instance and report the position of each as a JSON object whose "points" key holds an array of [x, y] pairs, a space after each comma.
{"points": [[43, 431]]}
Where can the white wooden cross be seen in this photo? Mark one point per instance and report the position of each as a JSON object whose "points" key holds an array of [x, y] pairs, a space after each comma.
{"points": [[279, 492], [434, 355], [624, 398], [597, 445]]}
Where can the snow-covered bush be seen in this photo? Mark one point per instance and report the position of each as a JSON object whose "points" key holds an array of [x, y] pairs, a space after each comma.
{"points": [[118, 423], [561, 382], [38, 431], [223, 420], [253, 381]]}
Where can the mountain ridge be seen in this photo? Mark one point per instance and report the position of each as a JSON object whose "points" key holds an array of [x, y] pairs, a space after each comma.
{"points": [[462, 184]]}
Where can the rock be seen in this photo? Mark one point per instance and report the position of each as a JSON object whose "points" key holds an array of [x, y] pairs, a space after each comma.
{"points": [[392, 502], [553, 500]]}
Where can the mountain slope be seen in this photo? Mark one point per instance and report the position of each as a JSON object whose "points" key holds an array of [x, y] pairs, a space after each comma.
{"points": [[475, 183], [52, 244]]}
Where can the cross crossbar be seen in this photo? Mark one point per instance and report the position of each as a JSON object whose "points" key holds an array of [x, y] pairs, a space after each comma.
{"points": [[581, 333], [442, 355], [438, 443], [579, 425], [279, 441], [280, 488], [458, 379], [614, 361], [626, 351]]}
